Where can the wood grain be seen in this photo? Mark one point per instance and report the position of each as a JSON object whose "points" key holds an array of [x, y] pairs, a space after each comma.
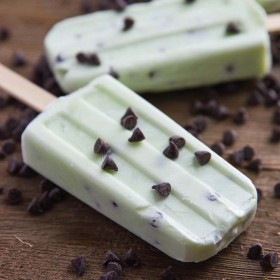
{"points": [[71, 228]]}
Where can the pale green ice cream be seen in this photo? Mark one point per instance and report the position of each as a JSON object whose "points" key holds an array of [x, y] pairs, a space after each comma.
{"points": [[271, 6], [171, 45], [208, 205]]}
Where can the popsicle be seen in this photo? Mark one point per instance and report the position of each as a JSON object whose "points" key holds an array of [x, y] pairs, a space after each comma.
{"points": [[162, 45], [120, 155]]}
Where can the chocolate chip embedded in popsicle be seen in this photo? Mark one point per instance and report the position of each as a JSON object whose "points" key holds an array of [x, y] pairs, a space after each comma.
{"points": [[129, 119], [109, 164], [136, 136], [101, 147], [232, 28], [171, 151], [203, 157], [163, 189], [128, 23], [178, 141], [90, 59]]}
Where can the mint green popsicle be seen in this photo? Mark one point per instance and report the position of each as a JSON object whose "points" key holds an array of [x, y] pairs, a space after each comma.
{"points": [[162, 45]]}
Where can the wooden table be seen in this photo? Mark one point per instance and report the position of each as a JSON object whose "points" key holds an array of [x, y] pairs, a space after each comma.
{"points": [[71, 228]]}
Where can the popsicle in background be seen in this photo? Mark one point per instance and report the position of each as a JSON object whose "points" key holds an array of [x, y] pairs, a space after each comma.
{"points": [[162, 45], [120, 155]]}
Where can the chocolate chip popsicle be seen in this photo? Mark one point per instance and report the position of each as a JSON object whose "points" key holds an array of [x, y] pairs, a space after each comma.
{"points": [[162, 45], [123, 157]]}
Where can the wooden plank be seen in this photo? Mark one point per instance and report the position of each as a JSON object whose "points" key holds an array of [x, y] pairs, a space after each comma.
{"points": [[71, 228]]}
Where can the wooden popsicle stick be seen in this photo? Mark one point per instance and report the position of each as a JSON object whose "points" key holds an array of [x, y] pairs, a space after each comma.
{"points": [[24, 90], [273, 23]]}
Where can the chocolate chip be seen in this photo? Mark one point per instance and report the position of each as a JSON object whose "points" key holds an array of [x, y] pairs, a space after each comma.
{"points": [[237, 157], [57, 194], [277, 190], [241, 116], [120, 5], [131, 258], [200, 124], [163, 189], [190, 1], [254, 99], [270, 98], [128, 23], [114, 73], [192, 130], [249, 152], [171, 151], [11, 123], [178, 141], [275, 135], [101, 147], [136, 136], [129, 119], [229, 137], [14, 165], [203, 157], [79, 265], [91, 59], [168, 274], [269, 261], [19, 59], [26, 172], [197, 107], [255, 252], [111, 257], [109, 165], [114, 266], [3, 133], [46, 185], [111, 275], [232, 28], [221, 113], [8, 146], [4, 101], [45, 201], [35, 207], [218, 148], [14, 196], [86, 7], [255, 165], [4, 33]]}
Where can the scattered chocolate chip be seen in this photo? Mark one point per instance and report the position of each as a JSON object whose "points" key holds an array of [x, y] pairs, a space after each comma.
{"points": [[4, 101], [19, 59], [11, 123], [203, 157], [114, 73], [128, 23], [120, 5], [111, 257], [221, 113], [109, 165], [111, 275], [277, 190], [4, 33], [57, 194], [229, 137], [35, 207], [275, 135], [14, 196], [114, 266], [249, 152], [255, 165], [3, 132], [218, 148], [178, 141], [136, 136], [270, 98], [241, 116], [171, 151], [45, 201], [14, 165], [79, 265], [168, 274], [237, 157], [8, 146], [197, 107], [192, 130], [131, 258], [255, 252], [46, 185], [101, 147], [91, 59], [129, 121], [163, 189], [26, 172], [200, 124], [269, 261], [86, 7], [254, 99], [232, 28]]}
